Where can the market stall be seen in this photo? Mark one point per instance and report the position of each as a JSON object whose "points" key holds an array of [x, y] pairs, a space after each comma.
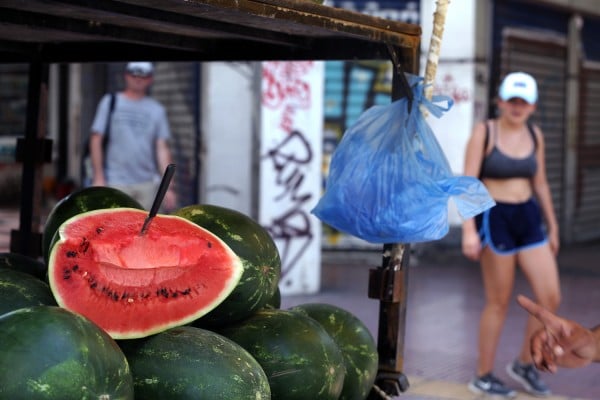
{"points": [[45, 32]]}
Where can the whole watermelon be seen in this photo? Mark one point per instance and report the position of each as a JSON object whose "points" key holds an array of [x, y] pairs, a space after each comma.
{"points": [[80, 201], [19, 289], [23, 263], [188, 363], [255, 247], [275, 300], [356, 343], [300, 358], [49, 353]]}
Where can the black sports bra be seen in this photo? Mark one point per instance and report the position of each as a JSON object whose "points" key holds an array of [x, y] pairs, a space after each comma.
{"points": [[500, 166]]}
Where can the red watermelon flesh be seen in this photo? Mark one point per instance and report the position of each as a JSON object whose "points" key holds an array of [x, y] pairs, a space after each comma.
{"points": [[134, 285]]}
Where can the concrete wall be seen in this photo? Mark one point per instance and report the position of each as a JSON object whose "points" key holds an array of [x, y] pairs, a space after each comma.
{"points": [[227, 130]]}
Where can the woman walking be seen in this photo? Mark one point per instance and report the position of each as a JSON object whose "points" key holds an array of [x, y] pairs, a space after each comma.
{"points": [[507, 154]]}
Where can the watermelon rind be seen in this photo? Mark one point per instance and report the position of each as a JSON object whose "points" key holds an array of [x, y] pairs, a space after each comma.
{"points": [[299, 357], [19, 290], [80, 201], [135, 285], [24, 263], [355, 342], [259, 255], [275, 301], [49, 353], [188, 363]]}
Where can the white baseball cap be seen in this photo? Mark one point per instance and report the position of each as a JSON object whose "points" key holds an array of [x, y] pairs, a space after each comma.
{"points": [[139, 68], [521, 85]]}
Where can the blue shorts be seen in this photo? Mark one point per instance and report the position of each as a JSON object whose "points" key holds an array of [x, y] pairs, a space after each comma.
{"points": [[508, 228]]}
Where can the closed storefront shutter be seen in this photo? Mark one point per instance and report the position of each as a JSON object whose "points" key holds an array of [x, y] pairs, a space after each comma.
{"points": [[586, 220], [176, 87]]}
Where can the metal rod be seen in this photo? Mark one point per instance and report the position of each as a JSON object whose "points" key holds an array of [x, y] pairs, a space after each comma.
{"points": [[160, 195]]}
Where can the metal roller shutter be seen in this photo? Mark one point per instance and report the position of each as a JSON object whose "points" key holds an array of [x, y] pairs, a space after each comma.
{"points": [[176, 86], [586, 220]]}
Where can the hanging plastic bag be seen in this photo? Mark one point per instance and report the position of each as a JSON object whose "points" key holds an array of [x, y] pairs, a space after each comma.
{"points": [[389, 180]]}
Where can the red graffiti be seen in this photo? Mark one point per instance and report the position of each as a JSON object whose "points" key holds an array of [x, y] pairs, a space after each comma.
{"points": [[283, 81], [449, 87], [287, 119]]}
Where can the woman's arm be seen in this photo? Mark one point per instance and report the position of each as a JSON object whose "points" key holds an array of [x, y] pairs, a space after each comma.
{"points": [[471, 244]]}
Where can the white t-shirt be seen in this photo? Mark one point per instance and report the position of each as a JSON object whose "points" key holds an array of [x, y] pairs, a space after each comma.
{"points": [[131, 150]]}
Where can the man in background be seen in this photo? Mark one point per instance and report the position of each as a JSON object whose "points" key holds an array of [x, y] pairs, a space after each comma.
{"points": [[137, 151]]}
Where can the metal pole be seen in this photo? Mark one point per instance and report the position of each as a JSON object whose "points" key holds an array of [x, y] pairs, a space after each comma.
{"points": [[32, 151]]}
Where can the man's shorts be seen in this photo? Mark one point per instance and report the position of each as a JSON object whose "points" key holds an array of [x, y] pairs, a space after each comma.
{"points": [[144, 192], [508, 228]]}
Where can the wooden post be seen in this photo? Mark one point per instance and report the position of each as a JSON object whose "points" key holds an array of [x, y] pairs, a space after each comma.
{"points": [[389, 283]]}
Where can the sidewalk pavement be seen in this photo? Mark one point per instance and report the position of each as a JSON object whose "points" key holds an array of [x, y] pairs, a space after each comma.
{"points": [[444, 299]]}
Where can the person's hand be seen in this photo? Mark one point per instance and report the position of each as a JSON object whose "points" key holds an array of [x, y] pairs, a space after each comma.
{"points": [[471, 245], [561, 342], [98, 182], [554, 241]]}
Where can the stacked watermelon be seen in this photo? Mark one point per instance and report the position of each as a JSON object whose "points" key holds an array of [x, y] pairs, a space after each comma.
{"points": [[188, 309]]}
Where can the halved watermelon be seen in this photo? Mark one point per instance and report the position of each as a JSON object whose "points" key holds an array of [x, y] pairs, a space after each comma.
{"points": [[134, 285], [80, 201]]}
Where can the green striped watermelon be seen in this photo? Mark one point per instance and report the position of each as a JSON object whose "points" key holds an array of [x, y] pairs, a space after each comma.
{"points": [[260, 258], [300, 358], [188, 363], [356, 343], [80, 201], [19, 289], [275, 300], [23, 263], [49, 353]]}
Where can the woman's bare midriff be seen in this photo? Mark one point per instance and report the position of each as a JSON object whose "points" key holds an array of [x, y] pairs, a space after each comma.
{"points": [[513, 190]]}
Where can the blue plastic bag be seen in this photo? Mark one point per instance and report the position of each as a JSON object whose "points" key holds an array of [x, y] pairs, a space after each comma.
{"points": [[389, 180]]}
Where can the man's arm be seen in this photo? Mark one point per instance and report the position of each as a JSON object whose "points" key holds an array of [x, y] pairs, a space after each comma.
{"points": [[97, 157], [163, 157]]}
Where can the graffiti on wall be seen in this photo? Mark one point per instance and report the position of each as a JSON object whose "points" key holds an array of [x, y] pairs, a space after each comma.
{"points": [[291, 226], [287, 158], [447, 85]]}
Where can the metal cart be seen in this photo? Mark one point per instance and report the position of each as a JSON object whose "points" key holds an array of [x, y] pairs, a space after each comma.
{"points": [[41, 32]]}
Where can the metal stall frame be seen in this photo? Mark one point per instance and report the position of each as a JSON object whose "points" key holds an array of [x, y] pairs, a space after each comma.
{"points": [[42, 32]]}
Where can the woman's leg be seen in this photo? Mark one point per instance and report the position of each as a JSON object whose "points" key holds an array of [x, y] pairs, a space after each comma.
{"points": [[498, 273], [540, 268]]}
